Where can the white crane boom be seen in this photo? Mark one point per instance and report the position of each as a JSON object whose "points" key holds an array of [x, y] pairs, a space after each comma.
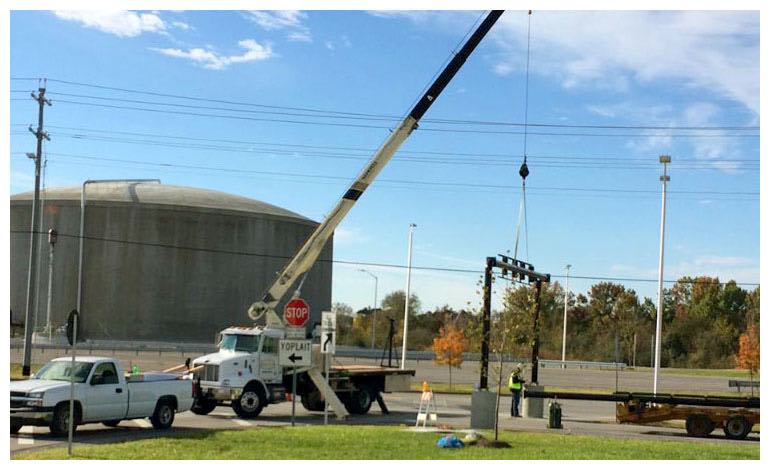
{"points": [[308, 254]]}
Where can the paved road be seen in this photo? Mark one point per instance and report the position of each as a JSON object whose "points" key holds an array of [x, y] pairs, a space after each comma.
{"points": [[588, 418]]}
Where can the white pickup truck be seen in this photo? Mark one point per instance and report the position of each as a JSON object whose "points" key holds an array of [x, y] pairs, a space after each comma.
{"points": [[102, 394]]}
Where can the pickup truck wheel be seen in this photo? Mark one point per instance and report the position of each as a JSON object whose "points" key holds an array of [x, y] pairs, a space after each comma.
{"points": [[61, 416], [312, 401], [737, 427], [203, 406], [163, 417], [249, 405], [360, 401], [15, 428], [111, 423]]}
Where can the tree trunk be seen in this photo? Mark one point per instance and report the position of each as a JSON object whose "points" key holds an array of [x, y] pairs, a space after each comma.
{"points": [[450, 375]]}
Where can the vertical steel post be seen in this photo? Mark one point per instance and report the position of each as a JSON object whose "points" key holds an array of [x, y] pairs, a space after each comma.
{"points": [[51, 242], [71, 421], [536, 333], [33, 235], [564, 331], [406, 298], [486, 314], [293, 393], [664, 159]]}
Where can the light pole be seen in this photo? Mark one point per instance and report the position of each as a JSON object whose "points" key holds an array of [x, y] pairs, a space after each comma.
{"points": [[51, 241], [564, 332], [406, 298], [664, 178], [374, 310]]}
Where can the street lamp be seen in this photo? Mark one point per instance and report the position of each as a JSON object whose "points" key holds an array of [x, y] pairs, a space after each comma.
{"points": [[406, 298], [374, 310], [664, 178], [564, 332]]}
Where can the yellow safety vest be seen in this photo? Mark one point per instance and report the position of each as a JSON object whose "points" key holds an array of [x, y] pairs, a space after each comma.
{"points": [[514, 385]]}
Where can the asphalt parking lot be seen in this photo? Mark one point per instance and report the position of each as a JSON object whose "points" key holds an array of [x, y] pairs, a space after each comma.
{"points": [[586, 418]]}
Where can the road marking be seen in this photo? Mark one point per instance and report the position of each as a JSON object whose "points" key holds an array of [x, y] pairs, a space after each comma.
{"points": [[142, 423], [26, 441], [242, 422]]}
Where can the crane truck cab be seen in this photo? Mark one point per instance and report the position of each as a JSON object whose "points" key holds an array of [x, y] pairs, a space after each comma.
{"points": [[244, 372]]}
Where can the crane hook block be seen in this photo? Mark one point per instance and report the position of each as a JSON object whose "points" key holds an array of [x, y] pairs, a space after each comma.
{"points": [[524, 171]]}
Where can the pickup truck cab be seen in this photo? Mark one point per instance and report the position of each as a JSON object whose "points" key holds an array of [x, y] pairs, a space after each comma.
{"points": [[102, 394]]}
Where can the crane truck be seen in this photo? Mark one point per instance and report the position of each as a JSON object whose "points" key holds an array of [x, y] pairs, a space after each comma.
{"points": [[245, 371]]}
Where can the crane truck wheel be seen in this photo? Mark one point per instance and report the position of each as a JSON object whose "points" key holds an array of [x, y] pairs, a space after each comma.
{"points": [[203, 406], [312, 401], [360, 401], [737, 427], [699, 425], [249, 405]]}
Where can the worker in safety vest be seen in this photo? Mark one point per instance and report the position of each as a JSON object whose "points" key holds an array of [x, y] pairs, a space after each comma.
{"points": [[515, 381]]}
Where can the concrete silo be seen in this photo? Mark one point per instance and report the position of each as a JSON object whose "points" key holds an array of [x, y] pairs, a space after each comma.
{"points": [[161, 263]]}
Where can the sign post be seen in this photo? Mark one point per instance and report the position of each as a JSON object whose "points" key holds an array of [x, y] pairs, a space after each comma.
{"points": [[328, 342], [293, 353], [72, 337]]}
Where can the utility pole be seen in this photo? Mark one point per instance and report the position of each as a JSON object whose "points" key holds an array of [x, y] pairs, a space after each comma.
{"points": [[406, 299], [564, 332], [664, 178], [374, 310], [40, 134]]}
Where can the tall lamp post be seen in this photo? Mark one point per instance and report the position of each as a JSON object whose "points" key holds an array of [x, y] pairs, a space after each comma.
{"points": [[564, 332], [664, 178], [374, 310], [406, 298]]}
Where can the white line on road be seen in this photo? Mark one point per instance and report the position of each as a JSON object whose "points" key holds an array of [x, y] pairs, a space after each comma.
{"points": [[242, 422], [142, 423]]}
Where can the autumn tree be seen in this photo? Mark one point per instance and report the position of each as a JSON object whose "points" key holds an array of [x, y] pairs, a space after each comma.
{"points": [[449, 346], [748, 352]]}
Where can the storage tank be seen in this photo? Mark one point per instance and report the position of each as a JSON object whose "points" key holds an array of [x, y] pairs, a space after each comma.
{"points": [[161, 263]]}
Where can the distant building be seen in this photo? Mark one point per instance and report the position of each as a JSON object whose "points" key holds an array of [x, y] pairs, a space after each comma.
{"points": [[161, 263]]}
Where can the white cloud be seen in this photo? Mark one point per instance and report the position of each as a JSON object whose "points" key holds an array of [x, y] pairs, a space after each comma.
{"points": [[120, 23], [181, 25], [289, 20], [209, 59], [726, 268], [716, 51]]}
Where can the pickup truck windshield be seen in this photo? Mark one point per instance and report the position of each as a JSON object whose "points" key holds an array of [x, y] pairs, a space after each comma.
{"points": [[246, 343], [60, 370]]}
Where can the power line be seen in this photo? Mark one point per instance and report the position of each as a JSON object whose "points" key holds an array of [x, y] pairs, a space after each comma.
{"points": [[399, 181], [355, 263], [368, 115], [368, 126], [436, 158]]}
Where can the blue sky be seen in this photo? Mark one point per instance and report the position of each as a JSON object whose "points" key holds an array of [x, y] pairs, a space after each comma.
{"points": [[661, 71]]}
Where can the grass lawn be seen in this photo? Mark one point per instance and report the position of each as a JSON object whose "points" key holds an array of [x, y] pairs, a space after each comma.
{"points": [[388, 442], [16, 371], [726, 373]]}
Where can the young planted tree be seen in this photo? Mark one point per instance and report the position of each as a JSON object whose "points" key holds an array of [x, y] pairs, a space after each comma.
{"points": [[748, 353], [449, 346]]}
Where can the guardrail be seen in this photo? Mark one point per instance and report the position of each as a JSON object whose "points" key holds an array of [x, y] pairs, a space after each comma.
{"points": [[743, 383]]}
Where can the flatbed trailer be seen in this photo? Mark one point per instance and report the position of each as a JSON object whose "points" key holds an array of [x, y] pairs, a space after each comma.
{"points": [[702, 414]]}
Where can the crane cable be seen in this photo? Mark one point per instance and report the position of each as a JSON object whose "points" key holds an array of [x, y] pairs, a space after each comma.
{"points": [[524, 170]]}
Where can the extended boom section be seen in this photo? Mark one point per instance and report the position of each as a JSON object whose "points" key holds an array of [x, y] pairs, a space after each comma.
{"points": [[308, 254]]}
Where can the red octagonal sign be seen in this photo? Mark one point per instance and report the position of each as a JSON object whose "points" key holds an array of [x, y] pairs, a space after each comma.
{"points": [[296, 312]]}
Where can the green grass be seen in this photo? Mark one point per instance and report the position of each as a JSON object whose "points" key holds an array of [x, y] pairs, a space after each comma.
{"points": [[726, 373], [388, 442], [16, 371]]}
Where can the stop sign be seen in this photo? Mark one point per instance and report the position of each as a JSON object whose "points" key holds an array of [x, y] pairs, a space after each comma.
{"points": [[296, 312]]}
